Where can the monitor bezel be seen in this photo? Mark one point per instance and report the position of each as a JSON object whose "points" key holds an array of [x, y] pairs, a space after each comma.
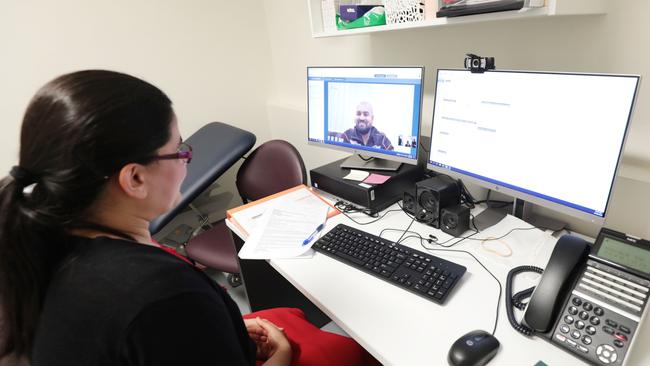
{"points": [[363, 152], [555, 206]]}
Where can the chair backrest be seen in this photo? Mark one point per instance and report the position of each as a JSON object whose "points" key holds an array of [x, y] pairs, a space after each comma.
{"points": [[274, 166]]}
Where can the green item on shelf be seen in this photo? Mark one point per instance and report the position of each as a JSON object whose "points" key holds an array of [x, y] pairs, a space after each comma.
{"points": [[374, 16]]}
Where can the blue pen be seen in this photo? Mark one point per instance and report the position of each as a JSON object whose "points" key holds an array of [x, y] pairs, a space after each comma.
{"points": [[318, 229]]}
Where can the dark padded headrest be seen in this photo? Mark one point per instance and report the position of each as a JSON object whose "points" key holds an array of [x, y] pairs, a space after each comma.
{"points": [[216, 147]]}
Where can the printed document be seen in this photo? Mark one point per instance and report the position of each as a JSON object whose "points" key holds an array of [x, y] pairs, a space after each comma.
{"points": [[286, 229], [245, 218]]}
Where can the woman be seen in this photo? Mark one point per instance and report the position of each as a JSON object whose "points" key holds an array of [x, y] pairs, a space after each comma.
{"points": [[81, 280]]}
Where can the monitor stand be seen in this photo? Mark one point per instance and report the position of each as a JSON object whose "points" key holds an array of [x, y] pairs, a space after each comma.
{"points": [[357, 162], [490, 217], [524, 210], [521, 209]]}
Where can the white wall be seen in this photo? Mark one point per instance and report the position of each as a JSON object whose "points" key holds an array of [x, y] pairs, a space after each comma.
{"points": [[244, 63], [616, 42], [209, 56]]}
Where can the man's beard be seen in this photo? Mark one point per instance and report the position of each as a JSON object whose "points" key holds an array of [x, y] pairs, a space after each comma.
{"points": [[362, 130]]}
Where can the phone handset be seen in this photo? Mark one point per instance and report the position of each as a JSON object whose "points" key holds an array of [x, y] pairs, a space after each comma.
{"points": [[548, 297], [565, 263]]}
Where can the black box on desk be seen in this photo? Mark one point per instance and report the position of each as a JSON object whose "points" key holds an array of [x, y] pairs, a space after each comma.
{"points": [[329, 178]]}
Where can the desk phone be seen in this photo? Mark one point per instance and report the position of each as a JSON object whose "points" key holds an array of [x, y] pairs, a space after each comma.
{"points": [[591, 302]]}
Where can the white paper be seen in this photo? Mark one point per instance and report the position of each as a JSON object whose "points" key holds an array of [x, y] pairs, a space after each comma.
{"points": [[282, 229], [250, 217], [357, 175]]}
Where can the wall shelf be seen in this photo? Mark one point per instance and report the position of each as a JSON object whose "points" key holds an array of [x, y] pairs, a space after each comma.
{"points": [[552, 8]]}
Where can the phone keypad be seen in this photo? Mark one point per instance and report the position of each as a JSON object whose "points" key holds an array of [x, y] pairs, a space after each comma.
{"points": [[592, 324], [580, 330], [602, 314]]}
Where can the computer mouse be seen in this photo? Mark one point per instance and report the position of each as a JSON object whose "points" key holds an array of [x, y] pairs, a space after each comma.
{"points": [[475, 348]]}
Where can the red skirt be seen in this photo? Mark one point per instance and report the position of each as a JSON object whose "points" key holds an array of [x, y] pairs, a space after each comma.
{"points": [[312, 346]]}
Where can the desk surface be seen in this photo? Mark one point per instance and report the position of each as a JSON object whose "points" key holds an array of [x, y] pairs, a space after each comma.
{"points": [[400, 328]]}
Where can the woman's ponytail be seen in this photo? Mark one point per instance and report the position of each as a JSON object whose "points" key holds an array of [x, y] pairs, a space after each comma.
{"points": [[22, 270]]}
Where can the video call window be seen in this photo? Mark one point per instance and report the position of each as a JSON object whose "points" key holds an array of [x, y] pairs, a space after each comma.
{"points": [[373, 109]]}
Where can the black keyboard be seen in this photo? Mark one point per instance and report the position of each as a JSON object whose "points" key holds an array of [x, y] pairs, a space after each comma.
{"points": [[423, 274]]}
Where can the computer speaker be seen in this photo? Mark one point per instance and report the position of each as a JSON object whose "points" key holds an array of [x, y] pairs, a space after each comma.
{"points": [[434, 194], [454, 220], [408, 202]]}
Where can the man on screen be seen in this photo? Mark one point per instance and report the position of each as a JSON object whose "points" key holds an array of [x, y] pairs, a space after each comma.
{"points": [[363, 133]]}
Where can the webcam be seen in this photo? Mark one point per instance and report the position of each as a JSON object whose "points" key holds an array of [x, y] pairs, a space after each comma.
{"points": [[478, 64]]}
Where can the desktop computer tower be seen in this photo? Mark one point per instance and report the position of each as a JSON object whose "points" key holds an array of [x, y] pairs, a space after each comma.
{"points": [[329, 178]]}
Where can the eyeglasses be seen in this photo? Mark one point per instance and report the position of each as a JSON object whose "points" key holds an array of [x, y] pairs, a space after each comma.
{"points": [[184, 153]]}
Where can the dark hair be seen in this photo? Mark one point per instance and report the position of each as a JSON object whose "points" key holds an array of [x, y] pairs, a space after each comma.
{"points": [[78, 130]]}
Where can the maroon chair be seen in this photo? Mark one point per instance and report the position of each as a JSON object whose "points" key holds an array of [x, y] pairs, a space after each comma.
{"points": [[214, 248], [273, 167]]}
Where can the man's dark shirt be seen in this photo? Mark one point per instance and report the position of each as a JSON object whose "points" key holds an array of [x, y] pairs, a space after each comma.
{"points": [[114, 302], [376, 138]]}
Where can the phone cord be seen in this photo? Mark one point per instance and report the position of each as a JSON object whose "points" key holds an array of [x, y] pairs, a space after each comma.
{"points": [[516, 300]]}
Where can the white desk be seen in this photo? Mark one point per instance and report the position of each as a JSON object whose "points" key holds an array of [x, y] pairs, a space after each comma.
{"points": [[400, 328]]}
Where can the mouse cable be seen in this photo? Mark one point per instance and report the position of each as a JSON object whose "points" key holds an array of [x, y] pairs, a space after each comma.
{"points": [[459, 239], [496, 319], [469, 237], [431, 241], [476, 231], [414, 233], [406, 230]]}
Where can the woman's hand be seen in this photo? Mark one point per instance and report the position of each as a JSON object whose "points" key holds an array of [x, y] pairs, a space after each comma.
{"points": [[272, 344], [255, 331]]}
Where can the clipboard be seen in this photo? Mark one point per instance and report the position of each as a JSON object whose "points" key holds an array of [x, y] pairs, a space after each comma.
{"points": [[243, 215]]}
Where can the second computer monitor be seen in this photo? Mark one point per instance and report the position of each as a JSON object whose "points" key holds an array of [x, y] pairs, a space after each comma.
{"points": [[370, 111], [553, 139]]}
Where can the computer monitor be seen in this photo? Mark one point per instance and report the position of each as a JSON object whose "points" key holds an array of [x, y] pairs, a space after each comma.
{"points": [[372, 112], [553, 139]]}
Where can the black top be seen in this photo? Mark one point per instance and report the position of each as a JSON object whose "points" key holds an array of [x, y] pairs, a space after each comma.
{"points": [[375, 138], [115, 302]]}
